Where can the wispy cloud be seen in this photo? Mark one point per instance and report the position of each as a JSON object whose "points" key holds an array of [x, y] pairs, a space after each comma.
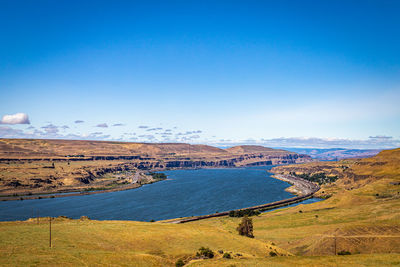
{"points": [[102, 125], [18, 118], [315, 142], [79, 121], [154, 129], [148, 137], [118, 124], [381, 137], [50, 129], [143, 127]]}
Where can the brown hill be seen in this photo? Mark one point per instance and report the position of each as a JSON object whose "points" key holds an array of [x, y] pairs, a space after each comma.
{"points": [[37, 165], [50, 148]]}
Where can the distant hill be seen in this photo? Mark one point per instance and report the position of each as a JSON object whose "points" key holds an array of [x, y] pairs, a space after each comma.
{"points": [[51, 148], [253, 149], [335, 153]]}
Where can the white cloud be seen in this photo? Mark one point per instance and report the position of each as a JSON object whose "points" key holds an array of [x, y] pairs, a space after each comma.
{"points": [[18, 118]]}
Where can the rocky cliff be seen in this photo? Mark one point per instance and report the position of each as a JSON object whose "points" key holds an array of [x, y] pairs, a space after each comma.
{"points": [[43, 165]]}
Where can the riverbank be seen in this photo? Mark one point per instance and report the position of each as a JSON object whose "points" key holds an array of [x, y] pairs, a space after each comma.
{"points": [[136, 182]]}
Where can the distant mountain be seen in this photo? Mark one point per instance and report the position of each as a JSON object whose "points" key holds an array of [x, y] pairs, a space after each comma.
{"points": [[335, 153], [253, 149]]}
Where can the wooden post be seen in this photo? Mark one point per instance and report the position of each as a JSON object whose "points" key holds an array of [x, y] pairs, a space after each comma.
{"points": [[50, 232], [335, 238], [335, 243]]}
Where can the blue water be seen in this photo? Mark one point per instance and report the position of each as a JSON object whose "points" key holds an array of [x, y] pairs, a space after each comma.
{"points": [[184, 193]]}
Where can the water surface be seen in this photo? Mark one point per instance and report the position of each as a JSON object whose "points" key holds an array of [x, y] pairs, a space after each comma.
{"points": [[184, 193]]}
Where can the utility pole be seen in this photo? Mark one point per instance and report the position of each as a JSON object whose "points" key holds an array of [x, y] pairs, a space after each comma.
{"points": [[334, 238], [49, 232]]}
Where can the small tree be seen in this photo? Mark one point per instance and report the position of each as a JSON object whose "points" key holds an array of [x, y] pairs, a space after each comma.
{"points": [[246, 227]]}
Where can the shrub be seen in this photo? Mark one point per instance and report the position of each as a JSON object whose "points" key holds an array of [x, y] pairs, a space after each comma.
{"points": [[344, 252], [272, 254], [246, 227], [179, 263], [205, 253], [227, 255], [241, 213]]}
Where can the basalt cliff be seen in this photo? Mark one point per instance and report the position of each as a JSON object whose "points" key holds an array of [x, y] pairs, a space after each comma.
{"points": [[36, 165]]}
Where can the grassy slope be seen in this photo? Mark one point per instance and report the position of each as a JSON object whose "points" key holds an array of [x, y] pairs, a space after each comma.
{"points": [[93, 242], [362, 222]]}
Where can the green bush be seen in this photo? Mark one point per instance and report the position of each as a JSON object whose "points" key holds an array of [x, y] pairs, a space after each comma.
{"points": [[344, 252], [179, 263], [227, 255], [242, 213], [205, 253]]}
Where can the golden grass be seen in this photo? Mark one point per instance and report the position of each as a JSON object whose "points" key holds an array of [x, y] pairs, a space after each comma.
{"points": [[77, 242]]}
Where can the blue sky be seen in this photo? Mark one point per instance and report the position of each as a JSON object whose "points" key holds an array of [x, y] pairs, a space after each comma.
{"points": [[294, 73]]}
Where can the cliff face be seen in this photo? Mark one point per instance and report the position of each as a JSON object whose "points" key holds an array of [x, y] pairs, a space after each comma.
{"points": [[35, 165]]}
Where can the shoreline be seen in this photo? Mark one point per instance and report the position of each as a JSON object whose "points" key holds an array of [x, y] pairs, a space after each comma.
{"points": [[299, 186], [46, 195]]}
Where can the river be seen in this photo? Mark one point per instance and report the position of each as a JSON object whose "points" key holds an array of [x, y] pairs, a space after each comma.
{"points": [[184, 193]]}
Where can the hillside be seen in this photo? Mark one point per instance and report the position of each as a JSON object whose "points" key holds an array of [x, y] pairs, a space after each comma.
{"points": [[352, 173], [364, 221], [31, 166], [53, 148]]}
